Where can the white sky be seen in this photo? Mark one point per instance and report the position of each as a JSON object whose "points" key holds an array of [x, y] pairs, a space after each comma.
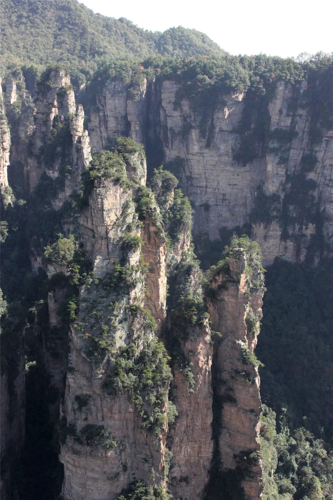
{"points": [[283, 27]]}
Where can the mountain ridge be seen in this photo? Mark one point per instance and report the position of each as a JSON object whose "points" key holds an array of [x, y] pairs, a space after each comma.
{"points": [[44, 32]]}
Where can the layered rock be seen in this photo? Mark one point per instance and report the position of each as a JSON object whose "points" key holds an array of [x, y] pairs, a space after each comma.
{"points": [[4, 143], [190, 438], [202, 144], [117, 422], [118, 113], [234, 303], [128, 450], [59, 136]]}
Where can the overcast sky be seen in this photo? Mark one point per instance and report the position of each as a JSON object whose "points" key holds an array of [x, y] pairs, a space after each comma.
{"points": [[284, 27]]}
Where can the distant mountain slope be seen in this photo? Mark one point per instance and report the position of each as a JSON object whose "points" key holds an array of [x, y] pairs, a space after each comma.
{"points": [[49, 31]]}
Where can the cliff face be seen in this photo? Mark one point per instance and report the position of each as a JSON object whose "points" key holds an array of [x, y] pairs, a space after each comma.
{"points": [[234, 304], [152, 369], [226, 194], [109, 443]]}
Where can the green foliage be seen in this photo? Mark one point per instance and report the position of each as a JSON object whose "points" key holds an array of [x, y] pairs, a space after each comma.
{"points": [[175, 208], [188, 313], [131, 242], [125, 277], [181, 42], [125, 145], [251, 321], [163, 183], [144, 374], [178, 218], [296, 465], [296, 344], [62, 251], [118, 165], [188, 308], [66, 31], [318, 96], [97, 435], [249, 358], [3, 305], [6, 196], [3, 231], [141, 491], [105, 165], [209, 78], [240, 248], [147, 207], [176, 166]]}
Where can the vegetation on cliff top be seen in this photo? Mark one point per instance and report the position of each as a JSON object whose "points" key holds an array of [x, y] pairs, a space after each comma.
{"points": [[240, 249], [43, 32], [175, 208]]}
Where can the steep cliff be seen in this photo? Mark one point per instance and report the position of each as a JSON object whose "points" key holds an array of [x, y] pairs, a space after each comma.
{"points": [[141, 366], [234, 302], [5, 143], [257, 161]]}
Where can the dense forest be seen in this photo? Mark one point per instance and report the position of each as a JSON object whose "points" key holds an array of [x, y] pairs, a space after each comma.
{"points": [[41, 33]]}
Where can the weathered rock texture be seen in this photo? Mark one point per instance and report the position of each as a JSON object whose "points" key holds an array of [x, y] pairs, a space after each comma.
{"points": [[113, 429], [191, 437], [222, 191], [235, 310], [4, 143]]}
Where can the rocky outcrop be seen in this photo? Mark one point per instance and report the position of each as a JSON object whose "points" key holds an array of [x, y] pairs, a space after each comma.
{"points": [[234, 303], [224, 191], [4, 143], [190, 438], [111, 443], [146, 388], [58, 134], [154, 254], [118, 113]]}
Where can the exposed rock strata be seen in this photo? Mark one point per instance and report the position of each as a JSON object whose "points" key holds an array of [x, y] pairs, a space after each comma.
{"points": [[4, 143], [222, 191], [224, 195], [234, 304]]}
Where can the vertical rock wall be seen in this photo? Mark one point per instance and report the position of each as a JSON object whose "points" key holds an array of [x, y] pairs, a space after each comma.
{"points": [[234, 303], [108, 431], [200, 145], [4, 142]]}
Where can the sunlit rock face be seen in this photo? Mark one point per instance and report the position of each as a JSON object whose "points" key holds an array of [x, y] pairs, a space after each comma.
{"points": [[260, 197]]}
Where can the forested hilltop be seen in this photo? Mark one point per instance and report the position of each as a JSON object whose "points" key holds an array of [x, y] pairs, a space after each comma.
{"points": [[42, 32]]}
